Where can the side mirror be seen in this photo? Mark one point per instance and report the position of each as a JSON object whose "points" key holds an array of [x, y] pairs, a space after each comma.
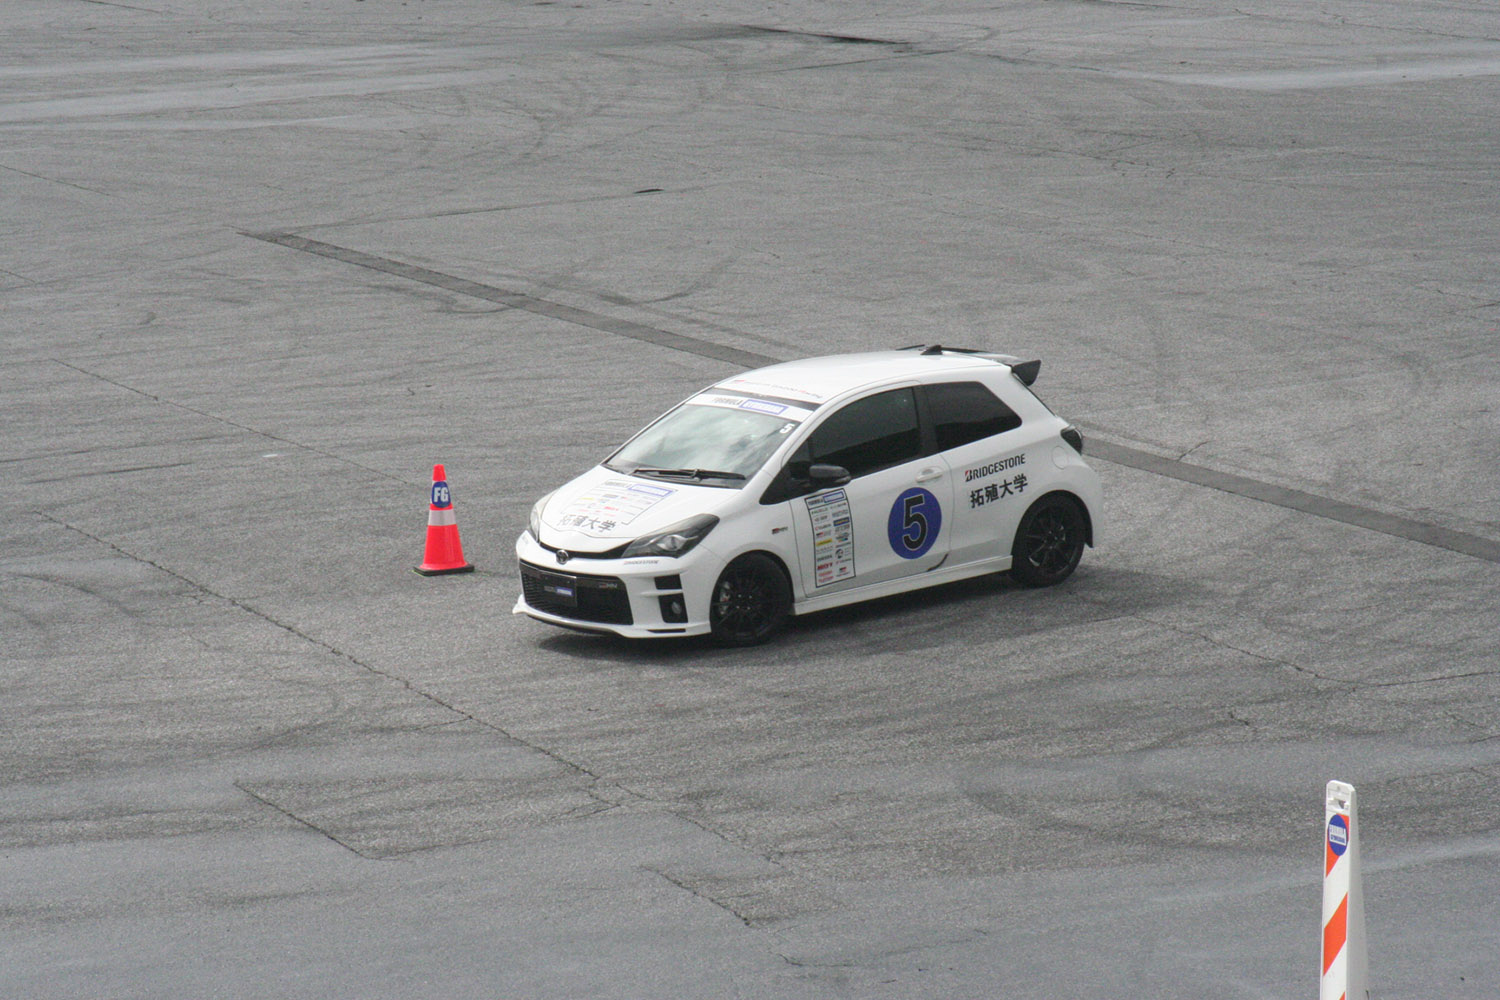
{"points": [[823, 477]]}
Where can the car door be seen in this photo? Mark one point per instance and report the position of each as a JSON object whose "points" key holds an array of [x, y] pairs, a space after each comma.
{"points": [[891, 518], [993, 456]]}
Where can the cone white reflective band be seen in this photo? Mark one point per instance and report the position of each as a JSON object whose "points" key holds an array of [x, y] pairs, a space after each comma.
{"points": [[441, 518], [1343, 904]]}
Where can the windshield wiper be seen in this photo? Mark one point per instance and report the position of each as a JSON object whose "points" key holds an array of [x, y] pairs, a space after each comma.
{"points": [[647, 470]]}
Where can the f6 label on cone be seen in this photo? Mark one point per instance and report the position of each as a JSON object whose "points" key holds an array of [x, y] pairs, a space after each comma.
{"points": [[444, 552]]}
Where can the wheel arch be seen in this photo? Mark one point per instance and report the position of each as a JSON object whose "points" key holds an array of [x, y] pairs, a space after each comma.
{"points": [[1077, 501], [775, 557], [750, 615], [775, 554]]}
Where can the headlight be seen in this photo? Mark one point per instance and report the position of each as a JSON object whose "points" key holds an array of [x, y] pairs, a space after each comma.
{"points": [[535, 522], [677, 540]]}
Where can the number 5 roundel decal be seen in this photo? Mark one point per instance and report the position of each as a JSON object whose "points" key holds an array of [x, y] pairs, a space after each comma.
{"points": [[916, 518]]}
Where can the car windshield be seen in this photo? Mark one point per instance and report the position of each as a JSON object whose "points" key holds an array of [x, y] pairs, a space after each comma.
{"points": [[719, 445]]}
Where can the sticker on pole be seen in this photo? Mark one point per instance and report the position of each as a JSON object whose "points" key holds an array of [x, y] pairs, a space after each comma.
{"points": [[1338, 834]]}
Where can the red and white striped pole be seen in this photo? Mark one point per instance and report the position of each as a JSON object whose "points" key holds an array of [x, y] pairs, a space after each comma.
{"points": [[1343, 902]]}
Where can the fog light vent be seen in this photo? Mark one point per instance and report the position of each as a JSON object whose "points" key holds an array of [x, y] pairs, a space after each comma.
{"points": [[673, 608]]}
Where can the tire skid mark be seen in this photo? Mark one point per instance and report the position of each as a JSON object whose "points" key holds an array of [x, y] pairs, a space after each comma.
{"points": [[350, 658], [1407, 528]]}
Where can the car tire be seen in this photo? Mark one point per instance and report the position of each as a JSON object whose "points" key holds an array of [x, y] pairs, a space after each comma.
{"points": [[1049, 541], [750, 602]]}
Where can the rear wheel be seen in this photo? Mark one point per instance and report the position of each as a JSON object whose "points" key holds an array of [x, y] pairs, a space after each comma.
{"points": [[751, 601], [1049, 541]]}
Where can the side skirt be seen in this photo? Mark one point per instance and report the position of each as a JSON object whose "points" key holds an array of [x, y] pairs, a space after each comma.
{"points": [[932, 578]]}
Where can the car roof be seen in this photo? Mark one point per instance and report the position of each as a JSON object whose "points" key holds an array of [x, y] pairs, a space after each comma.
{"points": [[820, 379]]}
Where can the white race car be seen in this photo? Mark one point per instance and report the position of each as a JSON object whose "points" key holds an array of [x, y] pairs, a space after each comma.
{"points": [[811, 484]]}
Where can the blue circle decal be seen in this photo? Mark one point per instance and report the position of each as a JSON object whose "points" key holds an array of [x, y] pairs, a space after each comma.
{"points": [[915, 521], [1338, 834], [441, 498]]}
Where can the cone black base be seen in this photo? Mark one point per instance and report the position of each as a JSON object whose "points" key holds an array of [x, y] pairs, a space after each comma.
{"points": [[465, 568]]}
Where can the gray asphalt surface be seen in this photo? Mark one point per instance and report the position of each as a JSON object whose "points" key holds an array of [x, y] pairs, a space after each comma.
{"points": [[264, 265]]}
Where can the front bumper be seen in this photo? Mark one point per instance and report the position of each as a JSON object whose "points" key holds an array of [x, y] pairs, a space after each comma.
{"points": [[635, 598]]}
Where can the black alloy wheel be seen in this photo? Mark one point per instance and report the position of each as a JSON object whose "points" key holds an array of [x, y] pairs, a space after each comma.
{"points": [[1049, 542], [750, 602]]}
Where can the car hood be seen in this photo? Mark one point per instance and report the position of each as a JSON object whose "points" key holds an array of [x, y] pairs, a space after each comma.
{"points": [[602, 509]]}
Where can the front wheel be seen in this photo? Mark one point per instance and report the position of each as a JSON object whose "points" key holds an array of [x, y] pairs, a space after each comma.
{"points": [[750, 602], [1049, 542]]}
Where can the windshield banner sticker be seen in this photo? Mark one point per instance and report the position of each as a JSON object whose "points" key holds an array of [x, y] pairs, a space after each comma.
{"points": [[787, 411], [833, 537], [755, 386], [609, 505], [761, 406]]}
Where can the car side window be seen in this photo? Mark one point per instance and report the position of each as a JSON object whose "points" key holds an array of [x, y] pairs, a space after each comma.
{"points": [[868, 434], [962, 412]]}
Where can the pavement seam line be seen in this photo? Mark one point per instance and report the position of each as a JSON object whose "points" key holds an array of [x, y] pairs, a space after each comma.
{"points": [[595, 781], [1253, 489], [701, 895], [334, 650], [225, 420], [1230, 647], [305, 822], [1368, 518], [1352, 684]]}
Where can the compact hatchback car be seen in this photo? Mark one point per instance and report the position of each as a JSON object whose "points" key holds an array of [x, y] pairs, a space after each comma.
{"points": [[812, 484]]}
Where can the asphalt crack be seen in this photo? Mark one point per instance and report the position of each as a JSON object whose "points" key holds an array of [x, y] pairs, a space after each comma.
{"points": [[219, 419], [306, 822], [331, 649], [696, 894]]}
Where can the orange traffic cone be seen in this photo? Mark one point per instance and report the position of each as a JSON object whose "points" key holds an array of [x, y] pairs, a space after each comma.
{"points": [[444, 552]]}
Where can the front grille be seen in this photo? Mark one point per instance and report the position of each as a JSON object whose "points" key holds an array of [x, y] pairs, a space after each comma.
{"points": [[601, 599], [614, 553]]}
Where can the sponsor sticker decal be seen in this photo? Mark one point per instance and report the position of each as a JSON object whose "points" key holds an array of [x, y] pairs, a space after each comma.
{"points": [[611, 504], [790, 410], [994, 468], [833, 537], [995, 492], [1338, 834], [761, 406]]}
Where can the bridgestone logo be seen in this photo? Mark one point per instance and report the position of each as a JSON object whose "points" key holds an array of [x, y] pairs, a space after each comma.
{"points": [[985, 471]]}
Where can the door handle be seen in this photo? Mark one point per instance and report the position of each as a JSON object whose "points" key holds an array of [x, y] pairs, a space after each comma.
{"points": [[928, 475]]}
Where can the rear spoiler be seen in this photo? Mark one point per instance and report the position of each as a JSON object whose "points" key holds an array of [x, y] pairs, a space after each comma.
{"points": [[1026, 371]]}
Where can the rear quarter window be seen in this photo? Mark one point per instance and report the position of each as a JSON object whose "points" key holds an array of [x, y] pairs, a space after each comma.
{"points": [[962, 412]]}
